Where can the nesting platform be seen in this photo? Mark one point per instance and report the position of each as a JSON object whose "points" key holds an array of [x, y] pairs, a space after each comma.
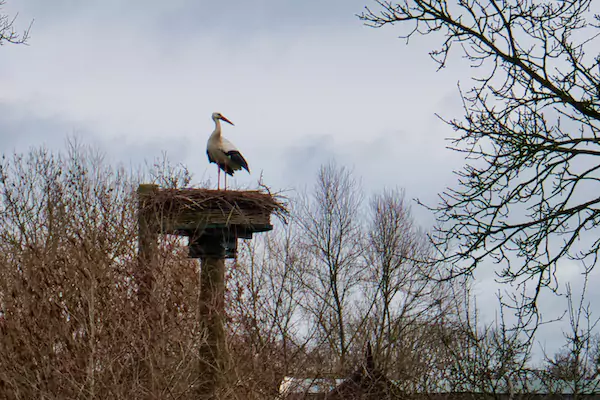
{"points": [[212, 219]]}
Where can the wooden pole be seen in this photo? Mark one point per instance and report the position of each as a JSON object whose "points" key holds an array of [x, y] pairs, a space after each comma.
{"points": [[212, 350], [147, 243], [147, 248]]}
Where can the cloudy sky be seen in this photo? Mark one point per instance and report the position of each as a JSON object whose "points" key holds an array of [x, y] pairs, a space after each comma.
{"points": [[304, 82]]}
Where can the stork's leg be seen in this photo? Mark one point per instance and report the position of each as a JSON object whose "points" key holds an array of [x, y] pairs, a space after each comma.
{"points": [[218, 177]]}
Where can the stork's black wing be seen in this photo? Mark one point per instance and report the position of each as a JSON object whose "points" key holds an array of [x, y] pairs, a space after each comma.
{"points": [[238, 158]]}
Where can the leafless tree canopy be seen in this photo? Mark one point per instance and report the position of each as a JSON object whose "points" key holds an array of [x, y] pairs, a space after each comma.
{"points": [[331, 221], [403, 303], [8, 32], [578, 360], [530, 131]]}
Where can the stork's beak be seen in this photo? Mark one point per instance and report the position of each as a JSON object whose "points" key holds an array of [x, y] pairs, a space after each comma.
{"points": [[226, 120]]}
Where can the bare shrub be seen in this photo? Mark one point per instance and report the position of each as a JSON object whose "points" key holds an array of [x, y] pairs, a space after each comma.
{"points": [[71, 323]]}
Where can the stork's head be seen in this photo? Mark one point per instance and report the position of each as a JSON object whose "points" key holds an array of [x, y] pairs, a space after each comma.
{"points": [[217, 115]]}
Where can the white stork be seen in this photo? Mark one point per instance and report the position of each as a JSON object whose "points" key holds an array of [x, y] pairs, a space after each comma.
{"points": [[223, 153]]}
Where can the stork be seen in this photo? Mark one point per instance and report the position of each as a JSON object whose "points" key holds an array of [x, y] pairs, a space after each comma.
{"points": [[223, 153]]}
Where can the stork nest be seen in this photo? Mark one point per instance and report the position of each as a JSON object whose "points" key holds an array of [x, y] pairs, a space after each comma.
{"points": [[177, 208]]}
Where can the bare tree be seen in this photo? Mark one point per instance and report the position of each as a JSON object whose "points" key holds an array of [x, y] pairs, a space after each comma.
{"points": [[529, 131], [399, 299], [577, 363], [331, 223], [264, 297], [490, 358], [8, 34]]}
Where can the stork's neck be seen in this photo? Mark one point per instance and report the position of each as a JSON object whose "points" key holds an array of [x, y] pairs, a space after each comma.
{"points": [[217, 131]]}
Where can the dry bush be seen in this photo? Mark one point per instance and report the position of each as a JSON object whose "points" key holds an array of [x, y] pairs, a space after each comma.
{"points": [[71, 322]]}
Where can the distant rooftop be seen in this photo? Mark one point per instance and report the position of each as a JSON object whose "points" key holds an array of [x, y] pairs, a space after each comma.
{"points": [[532, 385], [291, 385]]}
